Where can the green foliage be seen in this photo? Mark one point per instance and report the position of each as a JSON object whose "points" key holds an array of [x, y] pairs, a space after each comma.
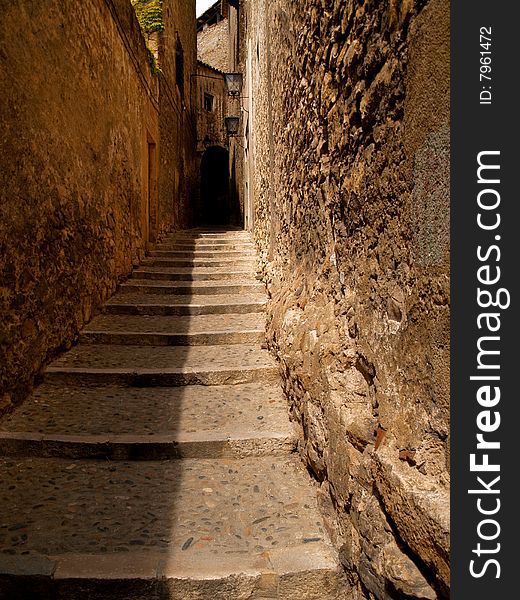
{"points": [[153, 63], [150, 15]]}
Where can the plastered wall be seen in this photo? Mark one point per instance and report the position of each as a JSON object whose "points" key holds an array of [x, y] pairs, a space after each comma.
{"points": [[82, 187]]}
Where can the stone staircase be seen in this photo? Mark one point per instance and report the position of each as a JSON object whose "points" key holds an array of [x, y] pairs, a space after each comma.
{"points": [[156, 460]]}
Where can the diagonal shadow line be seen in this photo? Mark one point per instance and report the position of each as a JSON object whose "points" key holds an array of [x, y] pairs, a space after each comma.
{"points": [[100, 506]]}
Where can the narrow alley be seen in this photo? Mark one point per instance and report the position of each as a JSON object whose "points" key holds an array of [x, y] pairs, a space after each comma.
{"points": [[173, 369]]}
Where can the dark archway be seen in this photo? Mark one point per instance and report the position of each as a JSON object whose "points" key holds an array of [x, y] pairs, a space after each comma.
{"points": [[215, 208]]}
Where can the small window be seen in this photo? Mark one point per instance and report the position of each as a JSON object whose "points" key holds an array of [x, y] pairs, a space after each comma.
{"points": [[209, 102]]}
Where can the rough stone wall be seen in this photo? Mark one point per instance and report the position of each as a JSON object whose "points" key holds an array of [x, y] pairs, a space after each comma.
{"points": [[212, 45], [177, 119], [78, 110], [350, 171]]}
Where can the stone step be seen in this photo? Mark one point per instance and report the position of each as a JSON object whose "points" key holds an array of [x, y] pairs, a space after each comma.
{"points": [[207, 229], [220, 244], [203, 230], [195, 288], [227, 237], [219, 240], [158, 304], [204, 246], [120, 423], [153, 447], [210, 234], [202, 254], [214, 241], [92, 504], [163, 365], [187, 274], [195, 263], [172, 330], [216, 529]]}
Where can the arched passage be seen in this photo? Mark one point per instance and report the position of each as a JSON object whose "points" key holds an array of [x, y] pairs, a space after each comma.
{"points": [[215, 206]]}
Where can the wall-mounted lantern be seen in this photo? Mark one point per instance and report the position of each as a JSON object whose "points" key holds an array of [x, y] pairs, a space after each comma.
{"points": [[233, 83], [232, 125]]}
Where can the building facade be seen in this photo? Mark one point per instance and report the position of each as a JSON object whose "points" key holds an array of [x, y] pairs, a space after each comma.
{"points": [[218, 198]]}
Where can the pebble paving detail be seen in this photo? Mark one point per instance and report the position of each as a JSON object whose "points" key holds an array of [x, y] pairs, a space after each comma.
{"points": [[171, 324], [134, 358], [183, 288], [73, 409], [226, 506], [144, 467], [166, 305]]}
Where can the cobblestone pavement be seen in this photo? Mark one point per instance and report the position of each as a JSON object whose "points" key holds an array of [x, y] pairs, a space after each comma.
{"points": [[87, 507], [234, 516], [98, 409], [167, 324]]}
